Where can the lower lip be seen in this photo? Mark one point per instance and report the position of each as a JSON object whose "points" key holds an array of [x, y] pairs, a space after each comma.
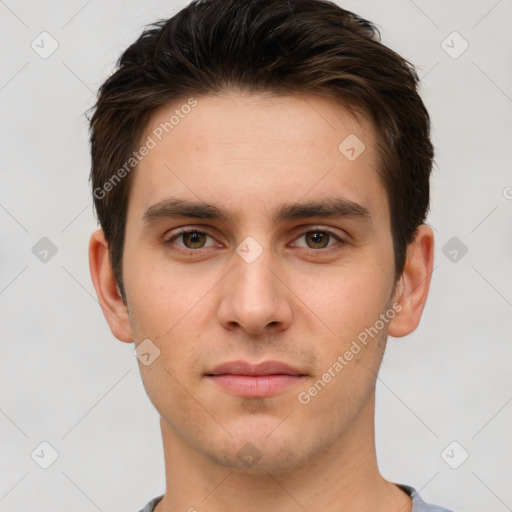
{"points": [[255, 385]]}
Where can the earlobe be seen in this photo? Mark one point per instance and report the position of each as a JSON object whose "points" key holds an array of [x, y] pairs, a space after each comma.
{"points": [[107, 290], [413, 287]]}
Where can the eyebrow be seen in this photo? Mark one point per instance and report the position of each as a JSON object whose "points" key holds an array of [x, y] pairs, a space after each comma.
{"points": [[328, 208]]}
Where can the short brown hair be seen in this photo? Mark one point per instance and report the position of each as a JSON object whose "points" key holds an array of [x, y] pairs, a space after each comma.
{"points": [[281, 46]]}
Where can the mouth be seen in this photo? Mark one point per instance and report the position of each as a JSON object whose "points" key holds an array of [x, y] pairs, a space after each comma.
{"points": [[261, 380]]}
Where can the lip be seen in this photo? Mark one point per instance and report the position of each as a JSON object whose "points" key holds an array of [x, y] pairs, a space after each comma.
{"points": [[260, 380], [263, 368]]}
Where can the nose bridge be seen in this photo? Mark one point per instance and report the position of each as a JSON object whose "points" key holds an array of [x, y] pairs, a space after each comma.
{"points": [[252, 297], [255, 280]]}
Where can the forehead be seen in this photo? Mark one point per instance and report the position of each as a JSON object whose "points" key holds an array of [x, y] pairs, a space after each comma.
{"points": [[248, 150]]}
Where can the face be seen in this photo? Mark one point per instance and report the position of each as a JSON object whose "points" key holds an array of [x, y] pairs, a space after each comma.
{"points": [[258, 260]]}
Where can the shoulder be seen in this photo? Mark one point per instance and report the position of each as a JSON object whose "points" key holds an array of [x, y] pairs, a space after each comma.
{"points": [[150, 507], [418, 505]]}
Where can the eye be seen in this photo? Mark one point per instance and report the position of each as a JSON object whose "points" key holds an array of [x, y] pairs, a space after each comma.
{"points": [[190, 239], [318, 239]]}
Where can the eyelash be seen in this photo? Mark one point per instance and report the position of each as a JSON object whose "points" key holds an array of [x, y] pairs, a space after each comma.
{"points": [[187, 251]]}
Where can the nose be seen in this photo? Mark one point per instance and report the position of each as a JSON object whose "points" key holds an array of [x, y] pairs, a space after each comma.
{"points": [[254, 299]]}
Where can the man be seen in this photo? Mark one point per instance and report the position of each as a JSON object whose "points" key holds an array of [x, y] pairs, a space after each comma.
{"points": [[261, 172]]}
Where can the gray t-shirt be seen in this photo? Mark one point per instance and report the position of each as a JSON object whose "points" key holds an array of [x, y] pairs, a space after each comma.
{"points": [[418, 505]]}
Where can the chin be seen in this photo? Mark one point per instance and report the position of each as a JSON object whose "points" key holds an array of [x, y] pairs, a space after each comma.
{"points": [[260, 447], [258, 460]]}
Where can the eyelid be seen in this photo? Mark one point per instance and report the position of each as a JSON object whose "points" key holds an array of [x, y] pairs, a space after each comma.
{"points": [[185, 230], [319, 227], [337, 232]]}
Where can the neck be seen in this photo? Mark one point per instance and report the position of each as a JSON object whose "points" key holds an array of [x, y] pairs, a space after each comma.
{"points": [[344, 477]]}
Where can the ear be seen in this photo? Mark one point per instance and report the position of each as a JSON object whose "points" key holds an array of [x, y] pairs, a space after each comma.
{"points": [[412, 289], [109, 297]]}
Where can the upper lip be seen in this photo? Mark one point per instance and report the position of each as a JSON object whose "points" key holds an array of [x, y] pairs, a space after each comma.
{"points": [[246, 368]]}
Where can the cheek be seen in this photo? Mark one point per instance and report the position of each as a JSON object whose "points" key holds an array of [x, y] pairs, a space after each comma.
{"points": [[345, 299], [350, 352], [171, 307], [162, 295]]}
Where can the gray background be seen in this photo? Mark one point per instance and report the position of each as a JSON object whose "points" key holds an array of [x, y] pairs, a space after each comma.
{"points": [[66, 380]]}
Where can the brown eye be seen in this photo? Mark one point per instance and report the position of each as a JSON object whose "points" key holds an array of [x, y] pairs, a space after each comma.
{"points": [[193, 239], [191, 242], [317, 239]]}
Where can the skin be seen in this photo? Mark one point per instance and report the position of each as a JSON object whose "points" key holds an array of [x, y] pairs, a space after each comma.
{"points": [[299, 302]]}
